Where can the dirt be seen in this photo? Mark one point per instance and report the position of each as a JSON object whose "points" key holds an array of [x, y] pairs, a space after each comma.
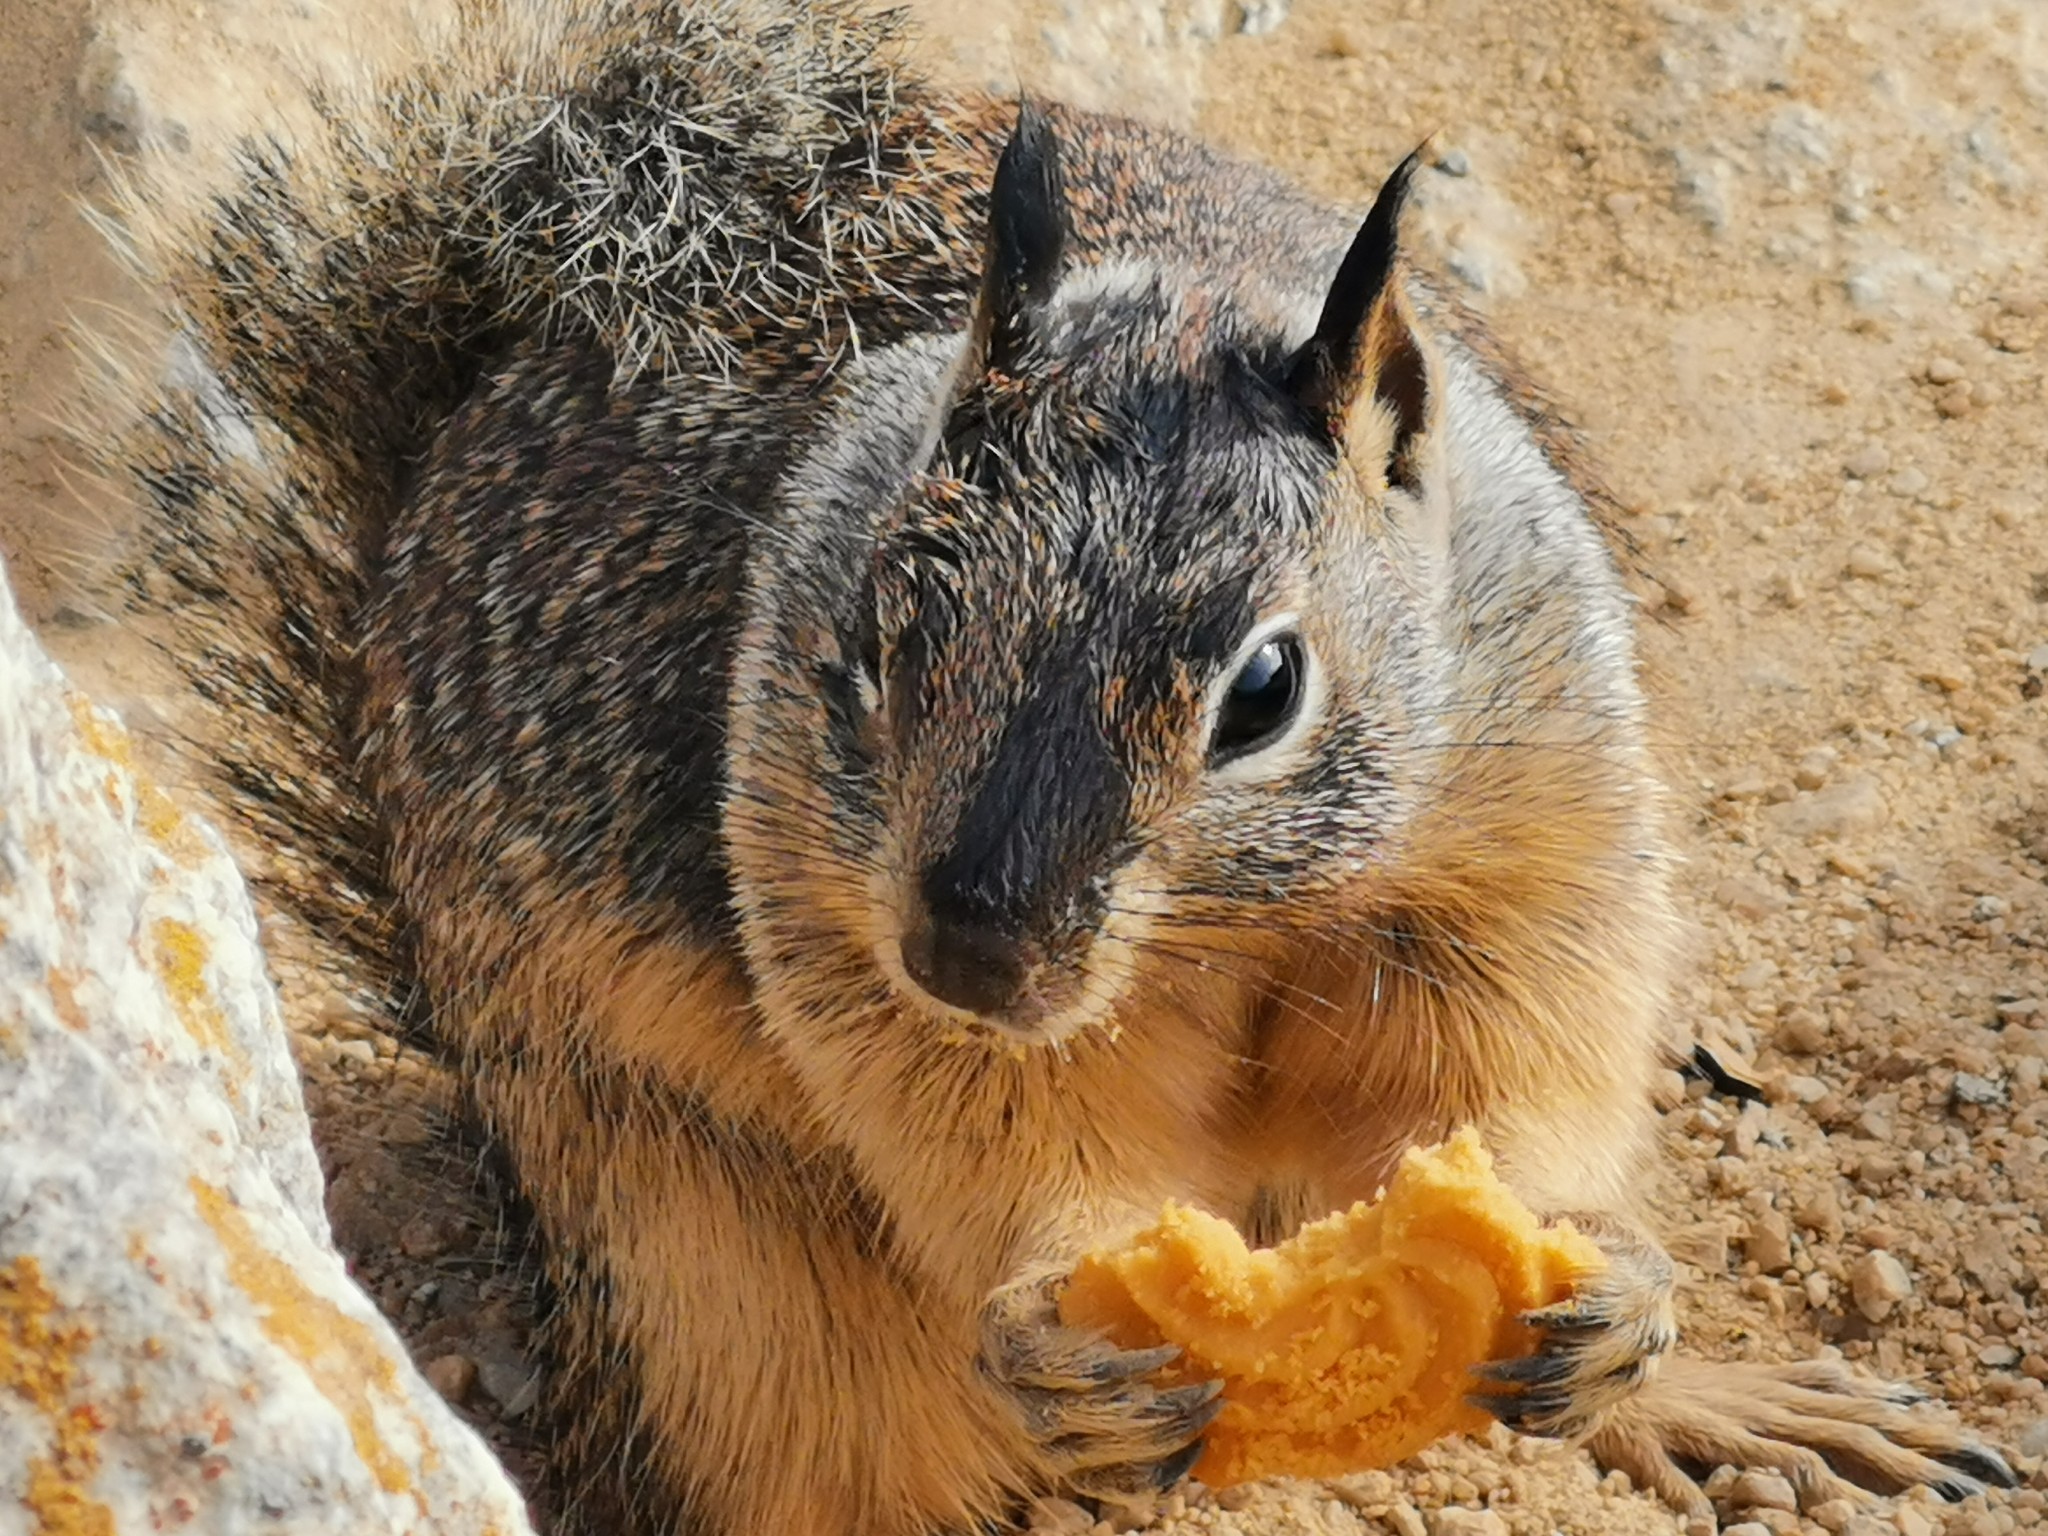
{"points": [[1785, 264]]}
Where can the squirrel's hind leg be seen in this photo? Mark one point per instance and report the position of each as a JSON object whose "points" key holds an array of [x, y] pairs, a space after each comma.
{"points": [[1832, 1432]]}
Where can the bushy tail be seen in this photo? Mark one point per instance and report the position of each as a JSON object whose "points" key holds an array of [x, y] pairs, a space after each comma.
{"points": [[654, 173]]}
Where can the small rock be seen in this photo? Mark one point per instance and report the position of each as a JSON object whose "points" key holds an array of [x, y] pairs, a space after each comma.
{"points": [[1969, 1088], [1769, 1243], [1801, 1032], [1878, 1282], [1762, 1490], [2000, 1357], [453, 1376], [1453, 1521], [1943, 370], [1746, 1528], [1258, 17], [1853, 805], [1813, 769], [1819, 1289], [509, 1383], [1908, 1521], [1406, 1520], [1867, 462], [1454, 162], [1833, 1515], [2033, 1440], [1868, 563], [425, 1236], [1803, 1089], [1745, 1133], [1821, 1215]]}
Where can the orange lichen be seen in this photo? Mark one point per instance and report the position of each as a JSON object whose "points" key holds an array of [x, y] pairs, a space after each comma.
{"points": [[39, 1362], [1351, 1345], [180, 957], [103, 737], [160, 820], [63, 984], [343, 1357]]}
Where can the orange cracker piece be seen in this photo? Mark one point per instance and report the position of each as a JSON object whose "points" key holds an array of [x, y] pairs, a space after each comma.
{"points": [[1350, 1345]]}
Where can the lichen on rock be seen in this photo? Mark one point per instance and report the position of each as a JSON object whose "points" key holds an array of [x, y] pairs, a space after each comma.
{"points": [[180, 1344]]}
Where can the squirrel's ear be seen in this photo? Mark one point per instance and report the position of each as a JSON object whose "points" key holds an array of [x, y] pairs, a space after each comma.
{"points": [[1365, 350], [1027, 240]]}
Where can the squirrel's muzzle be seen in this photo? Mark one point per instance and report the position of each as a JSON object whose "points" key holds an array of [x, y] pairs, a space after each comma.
{"points": [[968, 965]]}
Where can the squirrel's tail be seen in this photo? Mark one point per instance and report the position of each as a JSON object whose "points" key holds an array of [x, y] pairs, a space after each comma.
{"points": [[626, 168]]}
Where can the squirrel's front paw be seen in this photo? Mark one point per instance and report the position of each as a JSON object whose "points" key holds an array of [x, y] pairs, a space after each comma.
{"points": [[1598, 1346], [1102, 1427]]}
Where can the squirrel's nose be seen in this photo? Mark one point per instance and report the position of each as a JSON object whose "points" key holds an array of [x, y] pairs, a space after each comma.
{"points": [[969, 965]]}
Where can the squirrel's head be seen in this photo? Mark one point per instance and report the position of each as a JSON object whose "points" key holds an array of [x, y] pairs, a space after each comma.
{"points": [[1090, 648]]}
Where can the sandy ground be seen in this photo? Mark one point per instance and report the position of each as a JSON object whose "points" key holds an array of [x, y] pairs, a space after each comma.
{"points": [[1786, 263]]}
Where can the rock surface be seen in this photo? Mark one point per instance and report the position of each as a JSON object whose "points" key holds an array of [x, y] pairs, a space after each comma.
{"points": [[180, 1344]]}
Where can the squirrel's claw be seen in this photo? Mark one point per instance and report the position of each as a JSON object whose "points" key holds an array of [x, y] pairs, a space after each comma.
{"points": [[1103, 1427], [1596, 1348]]}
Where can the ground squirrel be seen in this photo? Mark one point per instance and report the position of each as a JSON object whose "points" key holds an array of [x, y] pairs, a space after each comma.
{"points": [[901, 678]]}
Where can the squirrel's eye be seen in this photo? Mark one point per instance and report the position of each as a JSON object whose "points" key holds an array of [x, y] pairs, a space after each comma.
{"points": [[1261, 702]]}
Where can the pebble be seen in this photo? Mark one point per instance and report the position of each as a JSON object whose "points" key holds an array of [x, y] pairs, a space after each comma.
{"points": [[1813, 769], [1867, 562], [2000, 1357], [510, 1384], [1969, 1088], [453, 1376], [1908, 1521], [425, 1236], [1879, 1283], [1805, 1090], [1746, 1528], [1944, 370], [1867, 462], [1762, 1490], [1833, 1515], [1466, 1522], [1454, 162], [1769, 1243], [1853, 805], [1821, 1214], [1406, 1520], [1801, 1032], [2033, 1440]]}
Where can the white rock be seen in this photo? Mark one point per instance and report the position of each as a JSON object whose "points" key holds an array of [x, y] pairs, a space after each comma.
{"points": [[1854, 805], [1453, 1521], [182, 1342], [1879, 1283]]}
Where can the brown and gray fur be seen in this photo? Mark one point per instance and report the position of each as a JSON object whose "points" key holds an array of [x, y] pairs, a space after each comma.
{"points": [[689, 582]]}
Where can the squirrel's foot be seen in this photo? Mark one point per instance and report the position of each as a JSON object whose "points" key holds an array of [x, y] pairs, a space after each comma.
{"points": [[1102, 1427], [1598, 1347], [1832, 1432]]}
